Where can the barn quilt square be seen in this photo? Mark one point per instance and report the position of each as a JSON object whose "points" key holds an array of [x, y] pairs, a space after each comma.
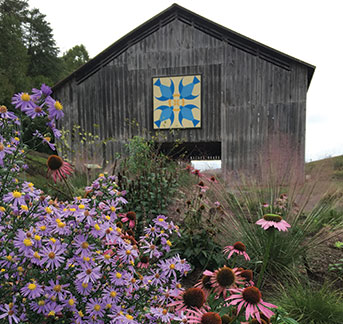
{"points": [[177, 102]]}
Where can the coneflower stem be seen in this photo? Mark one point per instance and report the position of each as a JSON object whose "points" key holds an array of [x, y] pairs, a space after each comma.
{"points": [[266, 256], [234, 261], [67, 184]]}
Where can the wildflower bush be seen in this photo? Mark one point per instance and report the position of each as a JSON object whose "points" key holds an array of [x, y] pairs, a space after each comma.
{"points": [[76, 261], [150, 180], [199, 218]]}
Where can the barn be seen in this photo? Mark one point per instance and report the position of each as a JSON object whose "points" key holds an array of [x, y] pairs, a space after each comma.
{"points": [[224, 95]]}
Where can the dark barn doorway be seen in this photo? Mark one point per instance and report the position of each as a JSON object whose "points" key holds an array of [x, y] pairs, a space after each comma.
{"points": [[190, 151]]}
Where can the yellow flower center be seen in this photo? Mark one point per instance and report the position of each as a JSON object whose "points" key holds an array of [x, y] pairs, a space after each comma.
{"points": [[48, 210], [81, 206], [172, 266], [32, 286], [71, 301], [169, 243], [107, 256], [118, 275], [113, 294], [84, 285], [43, 228], [128, 252], [58, 288], [25, 97], [97, 307], [3, 109], [97, 227], [51, 255], [27, 242], [52, 313], [61, 225], [2, 147], [85, 245], [37, 238], [113, 209], [36, 255], [41, 303], [129, 317], [2, 209], [58, 105], [16, 194], [24, 207]]}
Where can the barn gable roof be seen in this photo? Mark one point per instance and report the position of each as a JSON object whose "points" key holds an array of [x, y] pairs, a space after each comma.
{"points": [[207, 26]]}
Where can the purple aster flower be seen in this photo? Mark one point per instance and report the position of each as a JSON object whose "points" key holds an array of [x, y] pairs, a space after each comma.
{"points": [[127, 254], [34, 111], [118, 278], [53, 309], [46, 90], [83, 247], [23, 242], [9, 311], [32, 290], [5, 114], [162, 314], [15, 197], [150, 248], [55, 131], [52, 255], [88, 274], [5, 149], [55, 108], [39, 306], [95, 307], [23, 101], [83, 288], [160, 220], [55, 289]]}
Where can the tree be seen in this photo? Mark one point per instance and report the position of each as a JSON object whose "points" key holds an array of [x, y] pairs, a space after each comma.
{"points": [[74, 58], [13, 53], [44, 65]]}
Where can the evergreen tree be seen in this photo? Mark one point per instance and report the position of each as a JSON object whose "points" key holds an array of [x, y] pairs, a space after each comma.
{"points": [[44, 65]]}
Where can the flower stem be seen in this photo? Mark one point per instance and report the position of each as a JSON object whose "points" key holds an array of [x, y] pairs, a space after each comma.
{"points": [[266, 256], [67, 184]]}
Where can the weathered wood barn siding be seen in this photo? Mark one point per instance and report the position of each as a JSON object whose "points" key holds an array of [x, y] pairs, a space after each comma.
{"points": [[250, 93]]}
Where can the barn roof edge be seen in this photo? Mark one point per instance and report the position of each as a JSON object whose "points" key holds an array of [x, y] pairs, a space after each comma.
{"points": [[176, 11]]}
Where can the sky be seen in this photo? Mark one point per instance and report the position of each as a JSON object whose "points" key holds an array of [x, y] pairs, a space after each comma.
{"points": [[309, 30]]}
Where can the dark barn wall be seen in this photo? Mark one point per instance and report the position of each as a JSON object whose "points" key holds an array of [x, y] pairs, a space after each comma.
{"points": [[246, 98]]}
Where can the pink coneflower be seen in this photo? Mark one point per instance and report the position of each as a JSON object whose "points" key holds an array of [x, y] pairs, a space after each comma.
{"points": [[143, 262], [223, 279], [273, 220], [57, 168], [204, 317], [238, 248], [188, 299], [251, 299], [131, 218]]}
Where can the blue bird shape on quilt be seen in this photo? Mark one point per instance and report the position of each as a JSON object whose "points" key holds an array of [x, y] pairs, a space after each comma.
{"points": [[167, 92]]}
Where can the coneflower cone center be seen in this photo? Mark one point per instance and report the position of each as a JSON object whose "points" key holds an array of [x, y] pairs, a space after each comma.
{"points": [[225, 277], [131, 215], [240, 246], [54, 162], [272, 218], [144, 259], [247, 274], [211, 318], [206, 282], [252, 295], [194, 297]]}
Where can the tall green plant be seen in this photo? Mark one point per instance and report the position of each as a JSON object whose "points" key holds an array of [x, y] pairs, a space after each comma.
{"points": [[247, 202], [150, 180]]}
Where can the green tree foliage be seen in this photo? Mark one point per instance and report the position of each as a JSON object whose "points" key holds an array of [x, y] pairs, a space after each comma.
{"points": [[13, 53], [44, 64], [28, 51], [74, 58]]}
